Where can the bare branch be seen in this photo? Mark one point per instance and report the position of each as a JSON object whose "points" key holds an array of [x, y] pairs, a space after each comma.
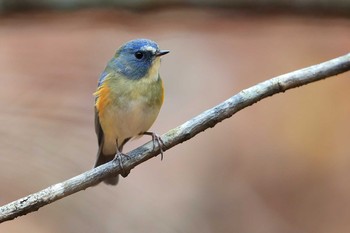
{"points": [[178, 135]]}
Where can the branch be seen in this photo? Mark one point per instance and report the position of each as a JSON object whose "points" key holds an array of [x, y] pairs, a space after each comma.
{"points": [[177, 135]]}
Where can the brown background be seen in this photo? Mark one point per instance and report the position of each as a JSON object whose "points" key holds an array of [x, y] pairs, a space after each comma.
{"points": [[281, 165]]}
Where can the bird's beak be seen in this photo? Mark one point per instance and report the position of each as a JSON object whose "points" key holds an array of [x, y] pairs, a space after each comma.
{"points": [[161, 52]]}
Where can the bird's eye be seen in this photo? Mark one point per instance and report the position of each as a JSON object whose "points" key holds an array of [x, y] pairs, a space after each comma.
{"points": [[139, 55]]}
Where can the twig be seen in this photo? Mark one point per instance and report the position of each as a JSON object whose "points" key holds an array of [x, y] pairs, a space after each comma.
{"points": [[178, 135]]}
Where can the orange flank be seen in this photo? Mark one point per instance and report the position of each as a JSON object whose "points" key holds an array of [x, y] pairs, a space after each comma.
{"points": [[103, 99]]}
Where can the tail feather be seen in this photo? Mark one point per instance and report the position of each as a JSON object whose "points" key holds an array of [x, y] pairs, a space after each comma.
{"points": [[102, 159]]}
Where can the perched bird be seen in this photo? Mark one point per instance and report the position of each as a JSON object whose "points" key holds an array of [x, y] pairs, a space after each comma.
{"points": [[128, 99]]}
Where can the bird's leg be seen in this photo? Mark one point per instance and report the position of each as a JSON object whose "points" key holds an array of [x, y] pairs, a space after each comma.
{"points": [[119, 156], [156, 138]]}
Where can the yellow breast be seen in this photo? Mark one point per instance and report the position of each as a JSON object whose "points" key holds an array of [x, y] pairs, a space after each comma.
{"points": [[128, 107]]}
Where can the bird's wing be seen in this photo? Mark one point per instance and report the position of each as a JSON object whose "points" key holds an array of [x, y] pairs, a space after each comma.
{"points": [[98, 128]]}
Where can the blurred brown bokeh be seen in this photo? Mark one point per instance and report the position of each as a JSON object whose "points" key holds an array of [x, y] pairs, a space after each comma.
{"points": [[281, 165]]}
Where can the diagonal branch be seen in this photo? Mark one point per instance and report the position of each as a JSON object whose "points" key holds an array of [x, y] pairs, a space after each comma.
{"points": [[177, 135]]}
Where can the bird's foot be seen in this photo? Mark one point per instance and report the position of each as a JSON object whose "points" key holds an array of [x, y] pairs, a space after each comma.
{"points": [[119, 156], [157, 139]]}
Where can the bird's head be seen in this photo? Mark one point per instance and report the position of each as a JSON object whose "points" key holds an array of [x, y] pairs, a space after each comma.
{"points": [[136, 58]]}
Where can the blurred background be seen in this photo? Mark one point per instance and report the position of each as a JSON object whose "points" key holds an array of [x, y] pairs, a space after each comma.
{"points": [[282, 165]]}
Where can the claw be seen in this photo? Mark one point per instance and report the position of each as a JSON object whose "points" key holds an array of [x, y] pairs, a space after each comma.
{"points": [[119, 156], [158, 139]]}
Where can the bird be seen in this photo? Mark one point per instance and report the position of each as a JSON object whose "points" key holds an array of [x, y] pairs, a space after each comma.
{"points": [[128, 99]]}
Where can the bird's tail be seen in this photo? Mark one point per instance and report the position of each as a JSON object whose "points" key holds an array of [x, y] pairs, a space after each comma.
{"points": [[102, 159]]}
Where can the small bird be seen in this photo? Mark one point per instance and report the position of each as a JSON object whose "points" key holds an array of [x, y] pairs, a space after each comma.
{"points": [[128, 99]]}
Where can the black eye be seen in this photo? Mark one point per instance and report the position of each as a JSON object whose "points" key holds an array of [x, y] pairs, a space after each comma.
{"points": [[139, 55]]}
